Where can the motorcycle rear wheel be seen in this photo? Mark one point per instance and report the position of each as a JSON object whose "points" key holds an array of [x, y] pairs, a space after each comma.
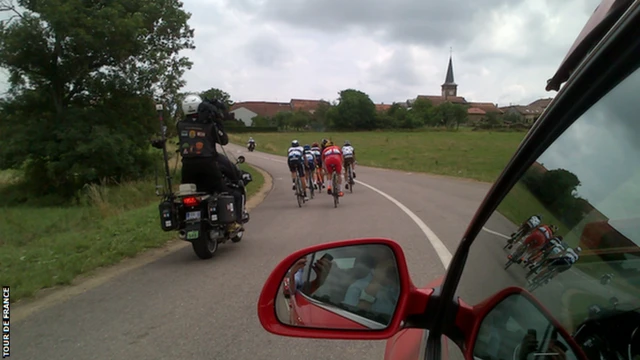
{"points": [[204, 246]]}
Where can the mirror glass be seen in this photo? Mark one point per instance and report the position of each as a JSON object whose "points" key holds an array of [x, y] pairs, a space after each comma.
{"points": [[351, 287], [516, 329], [569, 230], [241, 159]]}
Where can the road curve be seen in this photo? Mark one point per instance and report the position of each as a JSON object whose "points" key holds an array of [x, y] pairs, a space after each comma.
{"points": [[179, 307]]}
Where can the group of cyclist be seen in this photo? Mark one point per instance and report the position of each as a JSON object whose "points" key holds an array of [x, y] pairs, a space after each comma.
{"points": [[542, 249], [316, 162]]}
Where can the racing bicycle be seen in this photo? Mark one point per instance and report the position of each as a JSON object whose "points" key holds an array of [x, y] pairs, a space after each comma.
{"points": [[299, 190], [336, 187], [350, 178], [515, 257]]}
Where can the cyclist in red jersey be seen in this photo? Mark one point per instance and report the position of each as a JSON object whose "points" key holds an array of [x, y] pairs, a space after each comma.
{"points": [[332, 155], [538, 239]]}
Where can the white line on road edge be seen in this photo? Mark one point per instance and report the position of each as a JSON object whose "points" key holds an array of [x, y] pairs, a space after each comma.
{"points": [[495, 233], [438, 245], [441, 250]]}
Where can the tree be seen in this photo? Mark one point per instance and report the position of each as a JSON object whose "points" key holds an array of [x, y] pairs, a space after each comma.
{"points": [[214, 93], [84, 77], [450, 115], [355, 110], [557, 185]]}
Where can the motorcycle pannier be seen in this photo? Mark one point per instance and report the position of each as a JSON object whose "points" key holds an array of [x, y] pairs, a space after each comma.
{"points": [[167, 216], [223, 211]]}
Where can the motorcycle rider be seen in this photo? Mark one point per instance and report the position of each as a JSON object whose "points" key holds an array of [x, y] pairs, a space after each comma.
{"points": [[199, 132], [251, 142]]}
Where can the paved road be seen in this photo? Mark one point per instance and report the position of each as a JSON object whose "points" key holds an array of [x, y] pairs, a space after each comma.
{"points": [[179, 307]]}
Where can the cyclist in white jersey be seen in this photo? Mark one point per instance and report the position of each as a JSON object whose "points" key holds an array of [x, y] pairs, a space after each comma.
{"points": [[295, 160], [560, 262], [349, 159]]}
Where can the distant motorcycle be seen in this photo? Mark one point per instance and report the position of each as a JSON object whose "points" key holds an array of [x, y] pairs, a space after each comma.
{"points": [[251, 147]]}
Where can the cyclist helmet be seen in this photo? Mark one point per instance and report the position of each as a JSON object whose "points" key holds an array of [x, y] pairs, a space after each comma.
{"points": [[347, 143], [315, 144], [307, 147], [329, 143], [578, 249], [539, 216], [324, 142], [295, 143], [553, 228]]}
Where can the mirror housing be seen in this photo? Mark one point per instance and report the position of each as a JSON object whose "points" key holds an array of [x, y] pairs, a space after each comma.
{"points": [[470, 321], [411, 301], [241, 159]]}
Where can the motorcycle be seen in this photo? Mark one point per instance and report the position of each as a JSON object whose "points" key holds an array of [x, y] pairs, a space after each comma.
{"points": [[251, 147], [199, 217]]}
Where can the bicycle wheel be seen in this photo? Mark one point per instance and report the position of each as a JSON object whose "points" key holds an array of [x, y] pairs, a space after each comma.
{"points": [[311, 189], [334, 182], [299, 192], [351, 182]]}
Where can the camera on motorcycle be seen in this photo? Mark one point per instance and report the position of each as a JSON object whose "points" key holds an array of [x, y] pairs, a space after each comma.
{"points": [[241, 159]]}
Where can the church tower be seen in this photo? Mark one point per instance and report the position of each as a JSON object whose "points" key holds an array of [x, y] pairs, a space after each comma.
{"points": [[449, 88]]}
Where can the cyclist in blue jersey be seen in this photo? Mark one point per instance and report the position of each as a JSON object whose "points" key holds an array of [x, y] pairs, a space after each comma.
{"points": [[310, 164], [295, 159]]}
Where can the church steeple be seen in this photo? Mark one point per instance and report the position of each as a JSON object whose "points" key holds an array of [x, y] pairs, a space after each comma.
{"points": [[449, 88]]}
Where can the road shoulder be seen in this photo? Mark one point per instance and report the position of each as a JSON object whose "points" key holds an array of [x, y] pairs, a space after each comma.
{"points": [[46, 298]]}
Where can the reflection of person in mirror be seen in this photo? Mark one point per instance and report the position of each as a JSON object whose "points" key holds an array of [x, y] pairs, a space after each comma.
{"points": [[321, 268], [379, 290]]}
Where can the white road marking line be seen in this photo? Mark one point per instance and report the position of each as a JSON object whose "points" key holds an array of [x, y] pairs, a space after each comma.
{"points": [[443, 253], [441, 250], [496, 233]]}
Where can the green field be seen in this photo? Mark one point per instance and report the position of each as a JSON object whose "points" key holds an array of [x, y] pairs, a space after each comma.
{"points": [[41, 247], [478, 155]]}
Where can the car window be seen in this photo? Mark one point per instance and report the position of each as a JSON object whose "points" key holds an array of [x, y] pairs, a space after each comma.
{"points": [[585, 272]]}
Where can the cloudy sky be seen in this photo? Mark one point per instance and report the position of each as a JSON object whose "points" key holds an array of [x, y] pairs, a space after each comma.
{"points": [[275, 50], [503, 51]]}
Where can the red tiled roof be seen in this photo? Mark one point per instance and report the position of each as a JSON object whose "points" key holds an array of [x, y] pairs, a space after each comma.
{"points": [[382, 107], [262, 108], [486, 107], [475, 111], [437, 100], [307, 105], [542, 103]]}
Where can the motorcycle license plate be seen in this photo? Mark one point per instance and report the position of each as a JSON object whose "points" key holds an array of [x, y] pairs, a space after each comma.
{"points": [[193, 215], [192, 235]]}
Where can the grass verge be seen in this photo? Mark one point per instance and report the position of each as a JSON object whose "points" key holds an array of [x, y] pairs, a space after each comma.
{"points": [[479, 155], [45, 247]]}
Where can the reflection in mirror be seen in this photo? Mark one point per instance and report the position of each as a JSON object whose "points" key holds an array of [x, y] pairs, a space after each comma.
{"points": [[569, 230], [351, 287], [516, 329], [241, 159]]}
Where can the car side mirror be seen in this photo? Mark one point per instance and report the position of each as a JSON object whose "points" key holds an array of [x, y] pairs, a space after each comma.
{"points": [[241, 159], [353, 289], [513, 325]]}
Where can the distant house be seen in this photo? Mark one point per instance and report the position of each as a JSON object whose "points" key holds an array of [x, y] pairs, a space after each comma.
{"points": [[247, 110], [306, 105], [383, 107], [528, 113]]}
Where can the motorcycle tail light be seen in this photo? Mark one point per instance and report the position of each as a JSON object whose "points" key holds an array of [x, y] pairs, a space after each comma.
{"points": [[191, 201]]}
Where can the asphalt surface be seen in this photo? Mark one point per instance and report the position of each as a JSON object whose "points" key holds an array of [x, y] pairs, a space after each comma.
{"points": [[180, 307]]}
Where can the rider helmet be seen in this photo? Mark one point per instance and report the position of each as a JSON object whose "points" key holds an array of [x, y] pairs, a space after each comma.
{"points": [[578, 249], [324, 142], [553, 228], [295, 143], [190, 104], [307, 147], [347, 143], [329, 143], [315, 144]]}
